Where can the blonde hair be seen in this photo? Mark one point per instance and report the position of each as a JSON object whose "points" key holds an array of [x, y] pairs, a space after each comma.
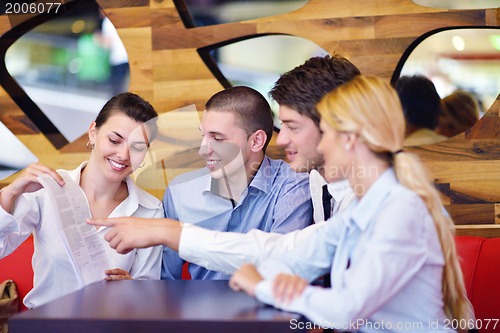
{"points": [[370, 107]]}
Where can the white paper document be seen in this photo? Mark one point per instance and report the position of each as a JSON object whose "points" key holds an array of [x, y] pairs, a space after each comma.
{"points": [[71, 211]]}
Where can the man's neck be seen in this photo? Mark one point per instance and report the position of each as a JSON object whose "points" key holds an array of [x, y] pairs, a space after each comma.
{"points": [[321, 170], [232, 186]]}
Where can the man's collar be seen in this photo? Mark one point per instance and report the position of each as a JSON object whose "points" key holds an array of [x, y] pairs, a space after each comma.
{"points": [[338, 189], [260, 181]]}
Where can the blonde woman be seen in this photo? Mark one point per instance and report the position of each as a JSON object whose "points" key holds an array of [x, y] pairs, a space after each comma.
{"points": [[391, 254]]}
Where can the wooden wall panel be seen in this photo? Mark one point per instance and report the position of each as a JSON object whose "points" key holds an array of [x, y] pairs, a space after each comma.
{"points": [[466, 169], [373, 34], [13, 117]]}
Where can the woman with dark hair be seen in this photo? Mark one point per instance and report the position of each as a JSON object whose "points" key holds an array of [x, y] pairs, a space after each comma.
{"points": [[118, 141]]}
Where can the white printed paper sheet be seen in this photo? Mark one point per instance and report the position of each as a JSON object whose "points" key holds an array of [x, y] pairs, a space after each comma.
{"points": [[71, 211]]}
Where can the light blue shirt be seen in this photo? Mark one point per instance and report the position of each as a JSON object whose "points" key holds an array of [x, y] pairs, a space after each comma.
{"points": [[277, 200], [386, 266]]}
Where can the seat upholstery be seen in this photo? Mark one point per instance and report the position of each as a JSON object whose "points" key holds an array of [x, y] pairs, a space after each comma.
{"points": [[17, 267], [468, 248], [480, 261]]}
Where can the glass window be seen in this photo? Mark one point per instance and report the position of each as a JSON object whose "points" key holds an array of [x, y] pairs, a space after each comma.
{"points": [[258, 61], [61, 71], [459, 4], [197, 13], [14, 155], [463, 63]]}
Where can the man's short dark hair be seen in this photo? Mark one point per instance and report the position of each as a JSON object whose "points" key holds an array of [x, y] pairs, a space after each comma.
{"points": [[420, 100], [251, 109], [304, 86]]}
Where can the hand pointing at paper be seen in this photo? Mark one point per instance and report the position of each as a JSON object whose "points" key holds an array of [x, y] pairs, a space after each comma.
{"points": [[128, 233]]}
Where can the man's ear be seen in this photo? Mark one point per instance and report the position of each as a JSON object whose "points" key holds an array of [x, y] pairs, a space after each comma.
{"points": [[258, 140]]}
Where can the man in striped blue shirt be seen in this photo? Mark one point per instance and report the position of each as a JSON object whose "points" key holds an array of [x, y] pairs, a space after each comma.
{"points": [[240, 188]]}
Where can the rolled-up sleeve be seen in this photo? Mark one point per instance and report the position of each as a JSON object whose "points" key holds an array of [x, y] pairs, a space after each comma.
{"points": [[15, 228]]}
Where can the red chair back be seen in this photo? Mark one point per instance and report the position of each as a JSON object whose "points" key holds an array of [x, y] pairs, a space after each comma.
{"points": [[468, 248], [17, 267], [480, 262]]}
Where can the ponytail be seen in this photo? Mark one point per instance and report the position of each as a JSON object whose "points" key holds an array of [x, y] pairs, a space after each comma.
{"points": [[412, 175], [370, 107]]}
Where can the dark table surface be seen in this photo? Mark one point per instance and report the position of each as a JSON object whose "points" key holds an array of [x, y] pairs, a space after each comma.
{"points": [[154, 306]]}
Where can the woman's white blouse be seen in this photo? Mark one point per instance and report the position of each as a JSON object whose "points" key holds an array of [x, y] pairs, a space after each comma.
{"points": [[54, 273], [386, 266]]}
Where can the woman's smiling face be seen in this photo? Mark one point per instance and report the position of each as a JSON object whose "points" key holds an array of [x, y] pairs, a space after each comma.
{"points": [[120, 145]]}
